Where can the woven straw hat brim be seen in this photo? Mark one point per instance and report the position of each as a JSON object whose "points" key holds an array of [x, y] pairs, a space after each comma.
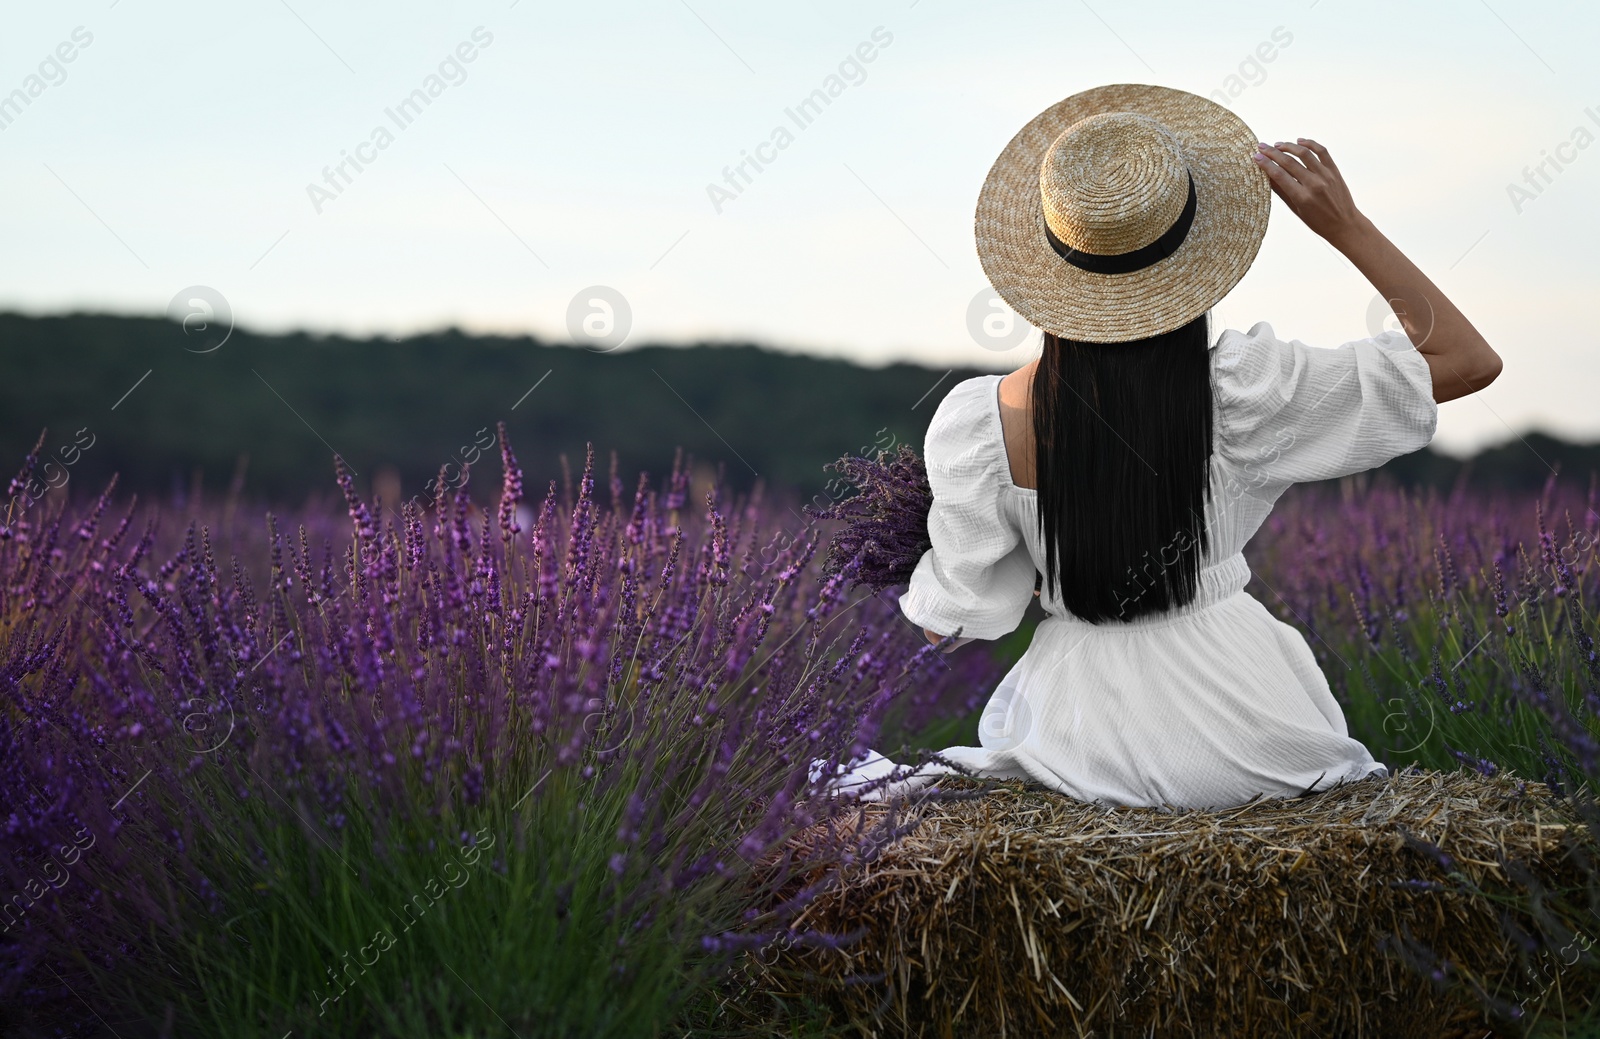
{"points": [[1233, 197]]}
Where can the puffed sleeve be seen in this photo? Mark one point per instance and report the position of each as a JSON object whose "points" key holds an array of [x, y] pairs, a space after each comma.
{"points": [[978, 576], [1292, 413]]}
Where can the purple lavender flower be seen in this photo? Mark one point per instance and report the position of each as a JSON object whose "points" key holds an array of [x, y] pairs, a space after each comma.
{"points": [[511, 486], [885, 532]]}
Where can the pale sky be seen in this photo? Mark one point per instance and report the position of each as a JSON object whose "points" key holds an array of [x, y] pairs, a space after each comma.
{"points": [[179, 145]]}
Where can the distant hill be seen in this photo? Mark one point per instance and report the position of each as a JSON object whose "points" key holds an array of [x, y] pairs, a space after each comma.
{"points": [[163, 416], [1522, 464], [289, 402]]}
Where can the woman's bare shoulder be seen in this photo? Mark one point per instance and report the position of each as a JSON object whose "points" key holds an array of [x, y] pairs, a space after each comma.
{"points": [[1016, 423], [1017, 388]]}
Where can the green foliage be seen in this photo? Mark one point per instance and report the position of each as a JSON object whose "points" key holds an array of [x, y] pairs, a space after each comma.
{"points": [[288, 402], [346, 938], [283, 403]]}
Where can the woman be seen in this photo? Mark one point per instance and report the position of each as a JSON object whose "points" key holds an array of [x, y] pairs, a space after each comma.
{"points": [[1133, 460]]}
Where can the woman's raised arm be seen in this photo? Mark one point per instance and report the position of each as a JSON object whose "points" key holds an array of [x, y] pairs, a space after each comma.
{"points": [[1303, 174]]}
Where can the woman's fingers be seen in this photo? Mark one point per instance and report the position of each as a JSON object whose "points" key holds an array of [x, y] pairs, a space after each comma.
{"points": [[1282, 180], [1321, 152], [1303, 174], [1290, 163], [1309, 158]]}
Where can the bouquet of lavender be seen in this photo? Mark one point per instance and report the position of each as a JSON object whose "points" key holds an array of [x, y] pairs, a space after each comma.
{"points": [[885, 528]]}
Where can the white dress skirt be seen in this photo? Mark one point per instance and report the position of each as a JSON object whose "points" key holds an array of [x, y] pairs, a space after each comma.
{"points": [[1210, 705]]}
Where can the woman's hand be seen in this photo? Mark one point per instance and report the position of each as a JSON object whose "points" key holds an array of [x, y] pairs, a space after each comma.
{"points": [[1304, 176], [936, 638], [1459, 360]]}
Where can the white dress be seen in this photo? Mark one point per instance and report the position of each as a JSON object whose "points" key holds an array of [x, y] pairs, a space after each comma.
{"points": [[1206, 706]]}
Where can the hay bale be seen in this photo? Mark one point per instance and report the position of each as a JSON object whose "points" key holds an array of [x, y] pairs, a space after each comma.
{"points": [[1019, 912]]}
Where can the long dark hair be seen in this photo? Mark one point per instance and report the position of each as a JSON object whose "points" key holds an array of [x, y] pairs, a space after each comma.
{"points": [[1122, 435]]}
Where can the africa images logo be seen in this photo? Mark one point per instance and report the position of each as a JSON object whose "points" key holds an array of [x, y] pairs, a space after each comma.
{"points": [[52, 72], [852, 71], [452, 72]]}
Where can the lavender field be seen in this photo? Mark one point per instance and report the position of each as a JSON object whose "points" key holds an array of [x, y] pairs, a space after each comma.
{"points": [[505, 763]]}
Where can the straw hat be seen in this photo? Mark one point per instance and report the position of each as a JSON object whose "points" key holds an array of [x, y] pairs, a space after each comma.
{"points": [[1122, 212]]}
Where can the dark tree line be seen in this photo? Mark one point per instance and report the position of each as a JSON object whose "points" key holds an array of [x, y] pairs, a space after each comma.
{"points": [[274, 409]]}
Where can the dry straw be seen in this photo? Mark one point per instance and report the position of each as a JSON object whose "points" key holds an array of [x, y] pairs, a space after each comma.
{"points": [[1016, 911]]}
